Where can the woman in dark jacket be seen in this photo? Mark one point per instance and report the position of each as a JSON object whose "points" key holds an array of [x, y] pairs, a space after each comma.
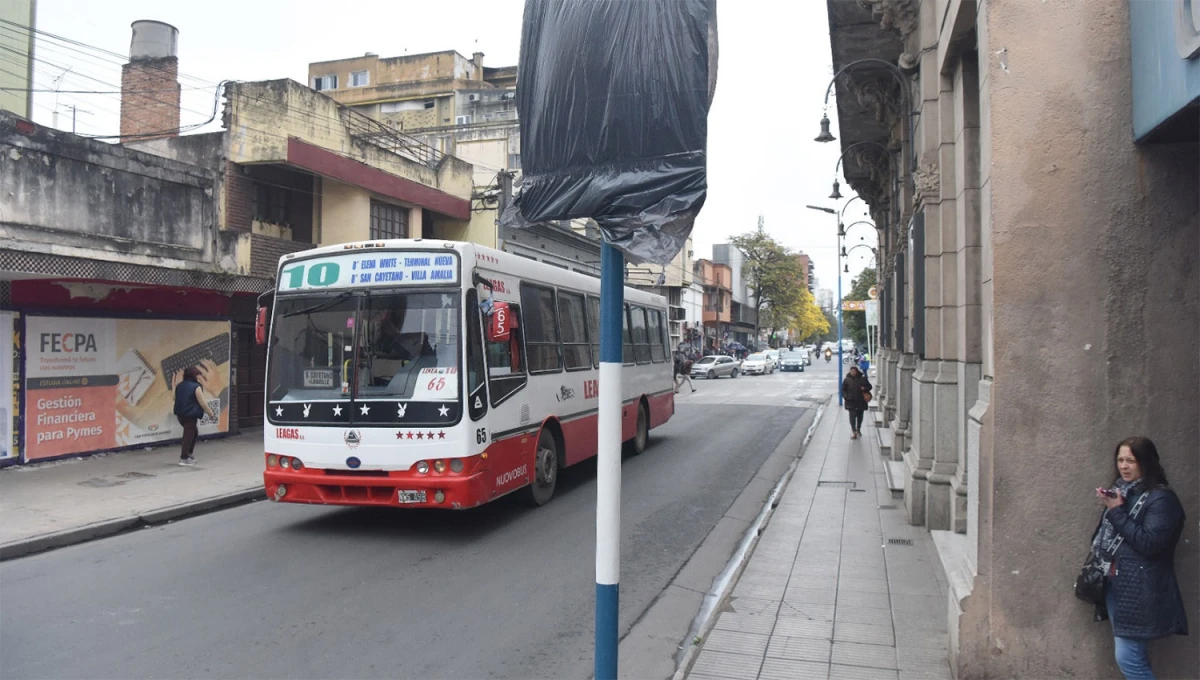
{"points": [[190, 407], [1139, 528], [853, 388]]}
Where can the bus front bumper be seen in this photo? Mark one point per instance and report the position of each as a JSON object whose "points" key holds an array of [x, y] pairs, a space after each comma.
{"points": [[396, 489]]}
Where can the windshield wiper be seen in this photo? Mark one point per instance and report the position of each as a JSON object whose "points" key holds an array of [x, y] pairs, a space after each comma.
{"points": [[319, 307]]}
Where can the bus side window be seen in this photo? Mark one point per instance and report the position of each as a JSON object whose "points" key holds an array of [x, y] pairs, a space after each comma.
{"points": [[593, 322], [506, 373], [627, 345], [658, 348], [476, 371]]}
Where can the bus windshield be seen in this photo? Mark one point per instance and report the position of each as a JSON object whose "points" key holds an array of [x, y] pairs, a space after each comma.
{"points": [[372, 346]]}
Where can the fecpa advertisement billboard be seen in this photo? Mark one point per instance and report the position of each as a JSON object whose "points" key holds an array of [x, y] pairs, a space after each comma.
{"points": [[94, 384]]}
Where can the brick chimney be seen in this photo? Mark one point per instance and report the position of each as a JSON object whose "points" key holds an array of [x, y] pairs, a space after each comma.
{"points": [[150, 84], [477, 60]]}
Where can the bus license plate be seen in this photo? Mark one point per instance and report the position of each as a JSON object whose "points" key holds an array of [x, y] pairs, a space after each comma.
{"points": [[410, 496]]}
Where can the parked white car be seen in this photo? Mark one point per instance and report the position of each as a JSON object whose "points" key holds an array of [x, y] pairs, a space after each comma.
{"points": [[773, 357], [757, 364]]}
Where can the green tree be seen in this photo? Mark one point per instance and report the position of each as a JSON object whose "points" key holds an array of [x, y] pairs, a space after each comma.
{"points": [[773, 276], [854, 324]]}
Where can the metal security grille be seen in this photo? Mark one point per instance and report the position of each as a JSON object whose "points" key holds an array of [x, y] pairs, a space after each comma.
{"points": [[842, 485], [900, 541], [101, 270]]}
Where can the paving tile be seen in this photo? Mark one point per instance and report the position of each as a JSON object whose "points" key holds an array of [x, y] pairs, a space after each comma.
{"points": [[807, 610], [786, 669], [798, 626], [760, 590], [924, 586], [911, 657], [942, 673], [922, 639], [737, 642], [753, 605], [761, 624], [727, 666], [865, 633], [841, 672], [809, 580], [850, 568], [860, 599], [855, 654], [799, 649], [871, 615], [810, 595], [862, 585]]}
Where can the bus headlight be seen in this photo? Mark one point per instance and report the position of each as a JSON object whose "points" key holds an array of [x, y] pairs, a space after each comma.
{"points": [[422, 467], [272, 460], [456, 465], [439, 466], [285, 462], [280, 492], [297, 465]]}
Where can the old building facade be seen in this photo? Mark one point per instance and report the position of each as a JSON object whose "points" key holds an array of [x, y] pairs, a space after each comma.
{"points": [[1039, 237], [156, 250]]}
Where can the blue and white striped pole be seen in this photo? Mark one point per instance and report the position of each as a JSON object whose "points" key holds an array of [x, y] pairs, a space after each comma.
{"points": [[608, 463], [840, 363]]}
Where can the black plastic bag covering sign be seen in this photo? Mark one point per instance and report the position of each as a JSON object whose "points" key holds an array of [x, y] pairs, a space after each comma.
{"points": [[613, 97]]}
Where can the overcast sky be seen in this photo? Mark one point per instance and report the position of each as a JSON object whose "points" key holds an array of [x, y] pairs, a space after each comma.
{"points": [[774, 68]]}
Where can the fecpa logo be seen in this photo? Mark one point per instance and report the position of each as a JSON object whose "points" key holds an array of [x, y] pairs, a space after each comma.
{"points": [[68, 343], [353, 463], [352, 438]]}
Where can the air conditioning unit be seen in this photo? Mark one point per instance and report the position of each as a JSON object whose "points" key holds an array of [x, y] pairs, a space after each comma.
{"points": [[474, 97]]}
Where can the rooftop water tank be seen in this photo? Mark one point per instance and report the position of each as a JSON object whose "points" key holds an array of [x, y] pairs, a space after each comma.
{"points": [[153, 40]]}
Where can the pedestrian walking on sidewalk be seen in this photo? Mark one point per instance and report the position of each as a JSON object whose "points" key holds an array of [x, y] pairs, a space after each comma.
{"points": [[854, 389], [190, 407], [1135, 543]]}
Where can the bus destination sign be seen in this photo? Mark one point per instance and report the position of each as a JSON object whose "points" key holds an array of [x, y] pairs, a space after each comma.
{"points": [[367, 269]]}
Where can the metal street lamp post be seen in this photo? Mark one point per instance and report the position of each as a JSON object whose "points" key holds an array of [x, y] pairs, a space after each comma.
{"points": [[840, 234]]}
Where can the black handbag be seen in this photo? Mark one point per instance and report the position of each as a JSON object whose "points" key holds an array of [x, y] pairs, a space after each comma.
{"points": [[1089, 585]]}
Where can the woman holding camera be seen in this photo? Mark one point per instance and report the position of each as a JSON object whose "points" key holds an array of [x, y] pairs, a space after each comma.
{"points": [[1135, 543]]}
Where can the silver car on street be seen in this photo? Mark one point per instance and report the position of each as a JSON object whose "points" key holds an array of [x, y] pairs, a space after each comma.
{"points": [[715, 367]]}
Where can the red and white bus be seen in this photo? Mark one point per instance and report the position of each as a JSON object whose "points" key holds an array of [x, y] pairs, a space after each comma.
{"points": [[423, 373]]}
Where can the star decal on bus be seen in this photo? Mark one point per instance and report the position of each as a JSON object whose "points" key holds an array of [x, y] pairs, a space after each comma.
{"points": [[278, 411], [420, 435], [337, 410], [441, 434], [443, 411], [365, 409]]}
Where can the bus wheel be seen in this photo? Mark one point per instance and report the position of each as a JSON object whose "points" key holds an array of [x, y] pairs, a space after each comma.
{"points": [[642, 435], [545, 466]]}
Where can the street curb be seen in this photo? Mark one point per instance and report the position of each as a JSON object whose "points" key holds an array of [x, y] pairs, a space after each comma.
{"points": [[90, 532], [742, 555]]}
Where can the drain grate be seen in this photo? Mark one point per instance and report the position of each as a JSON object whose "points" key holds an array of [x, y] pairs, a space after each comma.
{"points": [[842, 485], [900, 541]]}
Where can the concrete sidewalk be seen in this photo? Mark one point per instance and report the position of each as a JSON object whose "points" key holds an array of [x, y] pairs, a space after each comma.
{"points": [[839, 585], [63, 502]]}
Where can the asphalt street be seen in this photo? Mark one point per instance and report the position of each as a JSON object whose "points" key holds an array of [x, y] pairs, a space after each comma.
{"points": [[284, 591]]}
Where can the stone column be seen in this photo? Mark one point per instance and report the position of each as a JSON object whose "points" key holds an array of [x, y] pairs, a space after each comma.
{"points": [[943, 373], [970, 263], [919, 458]]}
